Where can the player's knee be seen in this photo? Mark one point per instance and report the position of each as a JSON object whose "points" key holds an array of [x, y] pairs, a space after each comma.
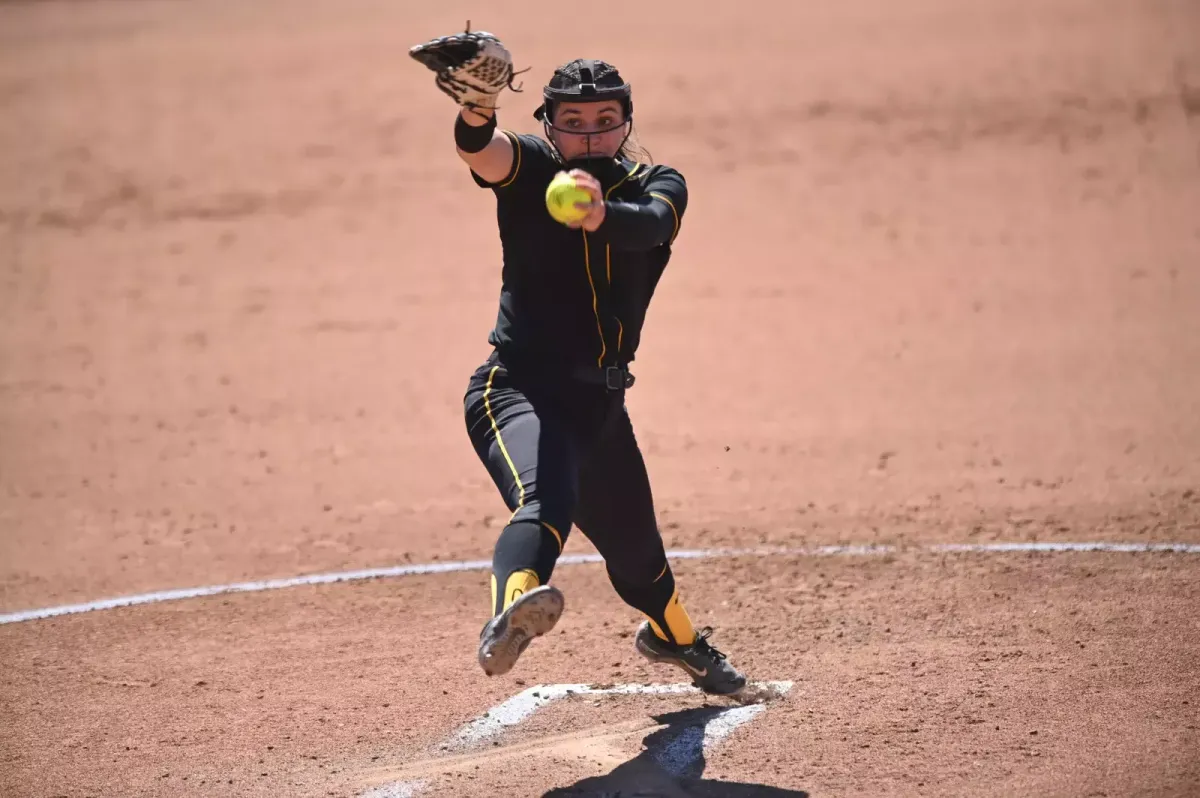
{"points": [[639, 566], [553, 522]]}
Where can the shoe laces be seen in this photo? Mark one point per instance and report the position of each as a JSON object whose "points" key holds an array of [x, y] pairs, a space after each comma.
{"points": [[702, 645]]}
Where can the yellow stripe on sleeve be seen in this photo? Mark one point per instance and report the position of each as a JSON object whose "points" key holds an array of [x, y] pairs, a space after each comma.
{"points": [[674, 212], [516, 142]]}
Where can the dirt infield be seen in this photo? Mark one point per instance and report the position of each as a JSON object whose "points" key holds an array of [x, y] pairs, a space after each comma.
{"points": [[938, 282]]}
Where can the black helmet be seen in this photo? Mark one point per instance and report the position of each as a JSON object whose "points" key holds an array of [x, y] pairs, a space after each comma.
{"points": [[584, 80]]}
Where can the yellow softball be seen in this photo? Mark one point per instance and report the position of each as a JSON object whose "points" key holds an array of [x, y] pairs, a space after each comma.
{"points": [[561, 196]]}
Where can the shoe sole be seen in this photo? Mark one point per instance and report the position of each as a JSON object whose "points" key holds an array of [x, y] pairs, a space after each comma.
{"points": [[531, 616]]}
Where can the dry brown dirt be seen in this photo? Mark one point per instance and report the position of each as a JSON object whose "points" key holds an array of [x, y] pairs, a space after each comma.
{"points": [[939, 282]]}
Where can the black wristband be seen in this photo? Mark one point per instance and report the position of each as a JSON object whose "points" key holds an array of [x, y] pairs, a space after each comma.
{"points": [[470, 138]]}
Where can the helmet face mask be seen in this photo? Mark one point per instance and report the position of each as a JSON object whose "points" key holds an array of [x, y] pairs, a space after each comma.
{"points": [[585, 81]]}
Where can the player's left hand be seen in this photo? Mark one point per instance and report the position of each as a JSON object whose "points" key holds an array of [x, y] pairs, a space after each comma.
{"points": [[595, 207], [472, 67]]}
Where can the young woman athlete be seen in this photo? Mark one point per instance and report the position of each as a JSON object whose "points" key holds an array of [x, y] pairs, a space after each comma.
{"points": [[546, 411]]}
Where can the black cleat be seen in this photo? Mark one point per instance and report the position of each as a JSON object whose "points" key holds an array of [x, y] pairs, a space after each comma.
{"points": [[705, 665], [506, 636]]}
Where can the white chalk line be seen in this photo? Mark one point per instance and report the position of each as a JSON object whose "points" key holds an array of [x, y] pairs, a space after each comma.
{"points": [[401, 789], [682, 754], [577, 559], [677, 757], [521, 706]]}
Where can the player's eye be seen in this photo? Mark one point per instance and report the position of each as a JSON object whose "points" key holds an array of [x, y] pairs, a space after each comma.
{"points": [[573, 124], [605, 122]]}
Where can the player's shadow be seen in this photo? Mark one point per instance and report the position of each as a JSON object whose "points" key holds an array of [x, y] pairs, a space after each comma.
{"points": [[671, 766]]}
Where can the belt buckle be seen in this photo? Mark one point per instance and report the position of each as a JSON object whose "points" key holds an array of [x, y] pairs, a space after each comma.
{"points": [[617, 378]]}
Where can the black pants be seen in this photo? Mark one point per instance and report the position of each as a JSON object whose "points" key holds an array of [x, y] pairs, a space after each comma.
{"points": [[563, 454]]}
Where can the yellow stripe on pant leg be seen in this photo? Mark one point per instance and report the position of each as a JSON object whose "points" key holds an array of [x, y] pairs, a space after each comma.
{"points": [[557, 536], [678, 621], [511, 585], [518, 584], [658, 632], [487, 406], [663, 573]]}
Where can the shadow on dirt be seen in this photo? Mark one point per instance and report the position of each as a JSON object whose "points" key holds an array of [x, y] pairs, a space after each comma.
{"points": [[671, 766]]}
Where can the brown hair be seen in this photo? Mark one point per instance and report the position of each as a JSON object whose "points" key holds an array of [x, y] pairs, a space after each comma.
{"points": [[633, 150]]}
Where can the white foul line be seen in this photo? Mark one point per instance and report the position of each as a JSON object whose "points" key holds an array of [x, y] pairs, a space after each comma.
{"points": [[576, 559]]}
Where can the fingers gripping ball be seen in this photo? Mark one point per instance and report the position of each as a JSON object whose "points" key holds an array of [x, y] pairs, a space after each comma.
{"points": [[561, 196]]}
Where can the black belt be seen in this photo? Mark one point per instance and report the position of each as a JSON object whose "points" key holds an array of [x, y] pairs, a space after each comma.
{"points": [[614, 378]]}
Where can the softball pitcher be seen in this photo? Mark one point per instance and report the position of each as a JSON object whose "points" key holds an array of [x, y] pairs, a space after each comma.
{"points": [[546, 411]]}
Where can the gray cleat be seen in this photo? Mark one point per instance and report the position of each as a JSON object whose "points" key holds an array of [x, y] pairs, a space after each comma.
{"points": [[507, 635], [705, 665]]}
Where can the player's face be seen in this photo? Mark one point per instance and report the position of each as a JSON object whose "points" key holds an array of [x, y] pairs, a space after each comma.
{"points": [[583, 129]]}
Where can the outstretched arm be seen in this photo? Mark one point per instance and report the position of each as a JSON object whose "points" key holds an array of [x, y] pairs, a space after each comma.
{"points": [[472, 69], [481, 146]]}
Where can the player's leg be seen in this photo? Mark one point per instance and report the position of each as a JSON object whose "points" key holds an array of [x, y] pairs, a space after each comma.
{"points": [[532, 461], [616, 511]]}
